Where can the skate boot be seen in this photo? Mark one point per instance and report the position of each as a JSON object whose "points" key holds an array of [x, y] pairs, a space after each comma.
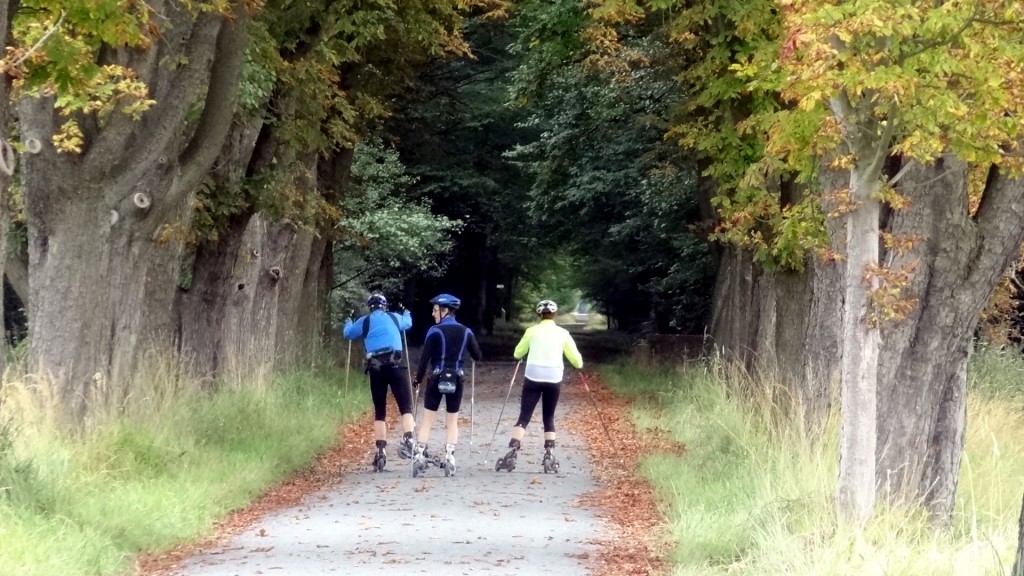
{"points": [[405, 451], [420, 459], [549, 463], [449, 460], [508, 461], [380, 459]]}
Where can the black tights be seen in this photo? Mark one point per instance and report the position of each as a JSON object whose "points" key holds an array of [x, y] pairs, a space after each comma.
{"points": [[389, 375], [534, 392]]}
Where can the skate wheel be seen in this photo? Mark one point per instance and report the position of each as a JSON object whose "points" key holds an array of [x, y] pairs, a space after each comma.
{"points": [[448, 471], [497, 465], [415, 470]]}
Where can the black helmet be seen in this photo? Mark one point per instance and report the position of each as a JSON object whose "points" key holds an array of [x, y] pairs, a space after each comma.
{"points": [[377, 301], [447, 300]]}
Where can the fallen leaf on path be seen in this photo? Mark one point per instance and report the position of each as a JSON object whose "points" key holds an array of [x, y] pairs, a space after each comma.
{"points": [[623, 499]]}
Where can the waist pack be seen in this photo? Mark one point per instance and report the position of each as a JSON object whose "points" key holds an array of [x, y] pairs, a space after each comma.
{"points": [[378, 361], [447, 381]]}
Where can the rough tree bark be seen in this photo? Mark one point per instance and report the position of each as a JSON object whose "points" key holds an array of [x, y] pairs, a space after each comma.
{"points": [[103, 267], [958, 260], [7, 11], [787, 323], [230, 302]]}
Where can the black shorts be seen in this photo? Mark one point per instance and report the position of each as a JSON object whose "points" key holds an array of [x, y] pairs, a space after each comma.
{"points": [[432, 396]]}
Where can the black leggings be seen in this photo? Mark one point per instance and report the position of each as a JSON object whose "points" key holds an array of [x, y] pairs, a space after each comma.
{"points": [[389, 375], [532, 393], [432, 397]]}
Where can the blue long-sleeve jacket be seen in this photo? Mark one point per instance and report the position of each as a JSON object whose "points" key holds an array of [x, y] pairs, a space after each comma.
{"points": [[382, 334]]}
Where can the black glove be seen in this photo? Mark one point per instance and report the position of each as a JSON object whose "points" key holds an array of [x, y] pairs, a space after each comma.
{"points": [[416, 384]]}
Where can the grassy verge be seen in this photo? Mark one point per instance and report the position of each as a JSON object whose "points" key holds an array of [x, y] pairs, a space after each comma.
{"points": [[752, 496], [159, 474]]}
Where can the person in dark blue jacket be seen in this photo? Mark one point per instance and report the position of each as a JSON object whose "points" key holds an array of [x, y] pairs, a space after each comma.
{"points": [[443, 347], [381, 333]]}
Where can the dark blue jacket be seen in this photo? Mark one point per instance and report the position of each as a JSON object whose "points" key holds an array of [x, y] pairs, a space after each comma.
{"points": [[444, 346]]}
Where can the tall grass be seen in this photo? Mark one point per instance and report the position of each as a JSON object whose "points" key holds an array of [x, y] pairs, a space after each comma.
{"points": [[157, 469], [752, 495]]}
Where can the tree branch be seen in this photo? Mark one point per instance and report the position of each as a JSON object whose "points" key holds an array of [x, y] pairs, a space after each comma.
{"points": [[943, 42], [219, 108], [351, 278], [39, 43], [136, 146], [1000, 219]]}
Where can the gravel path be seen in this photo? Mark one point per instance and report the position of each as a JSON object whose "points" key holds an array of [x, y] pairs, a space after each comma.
{"points": [[476, 522]]}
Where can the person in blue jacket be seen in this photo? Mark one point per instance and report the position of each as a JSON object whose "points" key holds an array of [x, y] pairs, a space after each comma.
{"points": [[443, 348], [381, 333]]}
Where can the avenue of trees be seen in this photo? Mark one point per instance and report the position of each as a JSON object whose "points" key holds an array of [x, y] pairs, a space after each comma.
{"points": [[829, 189]]}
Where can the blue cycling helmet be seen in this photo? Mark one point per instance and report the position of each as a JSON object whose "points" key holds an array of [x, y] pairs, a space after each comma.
{"points": [[447, 300], [377, 301]]}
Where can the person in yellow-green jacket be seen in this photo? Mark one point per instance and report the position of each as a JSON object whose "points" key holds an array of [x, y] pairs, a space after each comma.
{"points": [[543, 344]]}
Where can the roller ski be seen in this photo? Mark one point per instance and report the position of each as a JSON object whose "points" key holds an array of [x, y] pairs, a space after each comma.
{"points": [[408, 448], [448, 465], [508, 461], [423, 460], [380, 458], [550, 463]]}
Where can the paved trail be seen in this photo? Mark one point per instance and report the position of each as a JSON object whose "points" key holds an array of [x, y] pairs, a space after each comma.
{"points": [[477, 522]]}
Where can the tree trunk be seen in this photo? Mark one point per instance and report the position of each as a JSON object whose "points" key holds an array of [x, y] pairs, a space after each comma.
{"points": [[922, 375], [204, 305], [783, 324], [16, 271], [109, 284], [736, 316], [859, 381], [103, 248], [299, 317], [7, 11], [247, 292]]}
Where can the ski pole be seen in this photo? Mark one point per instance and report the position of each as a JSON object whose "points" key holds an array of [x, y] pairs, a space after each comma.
{"points": [[500, 414], [413, 389], [510, 385], [408, 360], [472, 402], [348, 358], [598, 410], [348, 363]]}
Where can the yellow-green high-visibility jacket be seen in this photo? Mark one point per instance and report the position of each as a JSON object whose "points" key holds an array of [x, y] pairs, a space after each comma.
{"points": [[546, 342]]}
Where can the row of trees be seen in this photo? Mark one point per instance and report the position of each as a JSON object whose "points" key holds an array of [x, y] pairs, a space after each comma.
{"points": [[199, 177], [861, 164]]}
